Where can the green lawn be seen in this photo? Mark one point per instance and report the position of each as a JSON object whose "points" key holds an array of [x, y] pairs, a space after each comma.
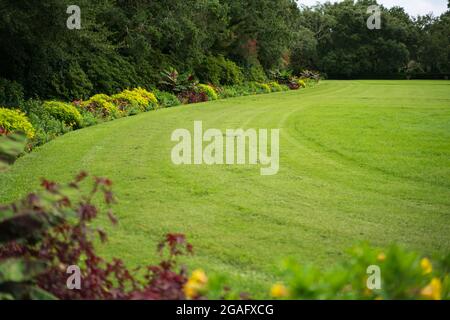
{"points": [[359, 160]]}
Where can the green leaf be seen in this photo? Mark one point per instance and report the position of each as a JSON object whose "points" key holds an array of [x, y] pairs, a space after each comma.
{"points": [[19, 270], [11, 146]]}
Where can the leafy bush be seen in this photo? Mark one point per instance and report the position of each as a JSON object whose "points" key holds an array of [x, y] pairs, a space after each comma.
{"points": [[46, 126], [208, 90], [172, 81], [64, 112], [243, 89], [229, 92], [135, 101], [71, 82], [218, 70], [256, 73], [275, 86], [15, 120], [110, 72], [260, 87], [101, 105], [166, 99], [281, 76], [11, 93], [89, 119], [231, 73], [404, 275], [193, 97]]}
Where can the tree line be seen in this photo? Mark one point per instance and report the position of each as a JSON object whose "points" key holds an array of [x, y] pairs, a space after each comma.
{"points": [[127, 43]]}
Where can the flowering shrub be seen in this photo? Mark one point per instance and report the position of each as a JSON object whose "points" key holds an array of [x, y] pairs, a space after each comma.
{"points": [[135, 101], [101, 105], [403, 275], [150, 97], [64, 112], [261, 87], [275, 86], [208, 90], [301, 83], [15, 120]]}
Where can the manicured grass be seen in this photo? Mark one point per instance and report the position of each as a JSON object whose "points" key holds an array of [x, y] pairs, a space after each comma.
{"points": [[359, 161]]}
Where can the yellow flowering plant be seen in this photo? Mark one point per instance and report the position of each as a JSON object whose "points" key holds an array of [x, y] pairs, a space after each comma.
{"points": [[64, 112], [402, 275], [208, 90], [15, 121], [101, 105], [135, 101]]}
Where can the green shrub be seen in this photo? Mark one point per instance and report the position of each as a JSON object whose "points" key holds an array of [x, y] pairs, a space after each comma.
{"points": [[47, 128], [256, 73], [275, 86], [101, 105], [11, 93], [64, 112], [135, 101], [260, 87], [88, 118], [166, 99], [229, 92], [210, 70], [244, 89], [232, 74], [15, 120], [208, 90], [218, 70], [70, 83], [110, 72]]}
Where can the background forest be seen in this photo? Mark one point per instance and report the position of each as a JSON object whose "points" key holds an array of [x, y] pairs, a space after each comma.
{"points": [[126, 43]]}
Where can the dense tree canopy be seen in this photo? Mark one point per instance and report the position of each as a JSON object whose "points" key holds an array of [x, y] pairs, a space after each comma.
{"points": [[126, 43]]}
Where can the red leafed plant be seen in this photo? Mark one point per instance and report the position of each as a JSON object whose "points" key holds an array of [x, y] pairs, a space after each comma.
{"points": [[50, 230]]}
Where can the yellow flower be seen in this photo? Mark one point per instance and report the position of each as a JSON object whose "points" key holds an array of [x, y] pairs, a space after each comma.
{"points": [[195, 284], [381, 257], [191, 289], [426, 266], [278, 291], [199, 276], [433, 290]]}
